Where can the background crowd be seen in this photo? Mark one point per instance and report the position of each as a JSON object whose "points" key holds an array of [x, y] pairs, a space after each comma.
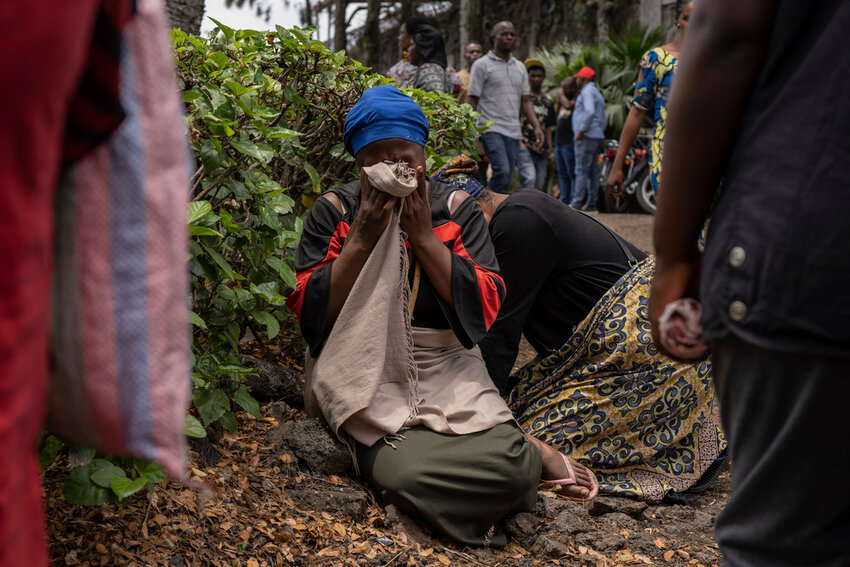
{"points": [[527, 125]]}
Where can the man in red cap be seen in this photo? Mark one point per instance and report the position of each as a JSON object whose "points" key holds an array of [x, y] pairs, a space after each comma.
{"points": [[589, 124]]}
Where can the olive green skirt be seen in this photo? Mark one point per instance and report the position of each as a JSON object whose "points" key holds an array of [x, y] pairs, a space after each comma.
{"points": [[463, 485]]}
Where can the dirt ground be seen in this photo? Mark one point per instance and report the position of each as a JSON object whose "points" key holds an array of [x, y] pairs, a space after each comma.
{"points": [[634, 227], [264, 497]]}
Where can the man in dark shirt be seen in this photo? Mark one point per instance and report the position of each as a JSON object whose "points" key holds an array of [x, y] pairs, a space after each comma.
{"points": [[533, 158], [775, 270]]}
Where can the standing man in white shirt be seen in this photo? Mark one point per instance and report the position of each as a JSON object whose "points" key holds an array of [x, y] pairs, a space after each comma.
{"points": [[498, 89]]}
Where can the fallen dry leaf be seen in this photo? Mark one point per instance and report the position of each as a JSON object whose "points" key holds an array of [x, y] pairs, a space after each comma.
{"points": [[668, 555]]}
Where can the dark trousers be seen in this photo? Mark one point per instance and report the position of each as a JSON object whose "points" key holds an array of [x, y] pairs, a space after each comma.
{"points": [[565, 159], [787, 419], [501, 152]]}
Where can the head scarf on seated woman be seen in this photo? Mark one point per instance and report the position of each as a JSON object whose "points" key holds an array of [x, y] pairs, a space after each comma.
{"points": [[384, 112]]}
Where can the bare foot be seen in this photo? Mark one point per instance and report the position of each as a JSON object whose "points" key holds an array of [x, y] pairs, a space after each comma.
{"points": [[554, 468]]}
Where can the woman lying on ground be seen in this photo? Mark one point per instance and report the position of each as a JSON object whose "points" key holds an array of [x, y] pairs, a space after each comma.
{"points": [[413, 400], [599, 390]]}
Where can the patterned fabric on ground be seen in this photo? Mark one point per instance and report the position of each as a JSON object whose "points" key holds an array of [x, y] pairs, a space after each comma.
{"points": [[609, 400]]}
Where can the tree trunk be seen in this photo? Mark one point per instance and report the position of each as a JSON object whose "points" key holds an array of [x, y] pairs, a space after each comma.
{"points": [[601, 21], [531, 41], [185, 14], [340, 42], [308, 13], [372, 34], [475, 25], [463, 35]]}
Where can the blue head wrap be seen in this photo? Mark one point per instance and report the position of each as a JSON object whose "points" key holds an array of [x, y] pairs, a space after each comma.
{"points": [[384, 112]]}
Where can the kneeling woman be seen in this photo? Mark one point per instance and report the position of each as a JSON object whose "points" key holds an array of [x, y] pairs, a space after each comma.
{"points": [[600, 391], [413, 401]]}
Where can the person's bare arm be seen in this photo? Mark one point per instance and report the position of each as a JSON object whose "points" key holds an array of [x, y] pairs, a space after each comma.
{"points": [[725, 46], [473, 102], [372, 219], [528, 110], [432, 255], [627, 138]]}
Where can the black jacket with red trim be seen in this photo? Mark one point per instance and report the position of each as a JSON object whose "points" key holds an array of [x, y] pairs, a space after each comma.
{"points": [[477, 288]]}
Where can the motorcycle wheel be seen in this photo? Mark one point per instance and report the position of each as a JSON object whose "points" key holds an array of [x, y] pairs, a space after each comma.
{"points": [[646, 196]]}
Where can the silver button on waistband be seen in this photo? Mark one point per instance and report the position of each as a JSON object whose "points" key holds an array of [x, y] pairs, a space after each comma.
{"points": [[737, 311], [737, 256]]}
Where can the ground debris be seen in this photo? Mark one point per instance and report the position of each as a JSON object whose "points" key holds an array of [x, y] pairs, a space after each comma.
{"points": [[262, 510]]}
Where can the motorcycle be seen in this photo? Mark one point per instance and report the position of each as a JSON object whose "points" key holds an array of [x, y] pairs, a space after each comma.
{"points": [[637, 186]]}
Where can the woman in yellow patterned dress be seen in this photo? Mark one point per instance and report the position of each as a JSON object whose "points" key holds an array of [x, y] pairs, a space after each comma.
{"points": [[651, 93]]}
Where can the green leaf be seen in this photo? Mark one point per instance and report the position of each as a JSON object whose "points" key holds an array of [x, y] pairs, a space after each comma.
{"points": [[196, 230], [81, 456], [219, 59], [211, 155], [50, 447], [226, 292], [267, 319], [149, 471], [287, 274], [304, 36], [78, 488], [261, 152], [193, 427], [236, 88], [282, 205], [277, 132], [221, 262], [233, 332], [282, 32], [196, 320], [235, 369], [247, 401], [228, 32], [247, 301], [103, 471], [197, 209], [314, 177], [267, 290], [228, 422], [212, 403], [189, 96], [126, 487]]}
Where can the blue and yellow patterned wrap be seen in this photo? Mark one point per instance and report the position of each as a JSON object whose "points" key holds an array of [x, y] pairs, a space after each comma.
{"points": [[651, 94], [643, 423]]}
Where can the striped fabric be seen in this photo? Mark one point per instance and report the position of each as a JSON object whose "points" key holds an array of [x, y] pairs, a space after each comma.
{"points": [[96, 111], [120, 336]]}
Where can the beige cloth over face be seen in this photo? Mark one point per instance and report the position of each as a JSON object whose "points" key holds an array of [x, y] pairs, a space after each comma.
{"points": [[375, 374]]}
